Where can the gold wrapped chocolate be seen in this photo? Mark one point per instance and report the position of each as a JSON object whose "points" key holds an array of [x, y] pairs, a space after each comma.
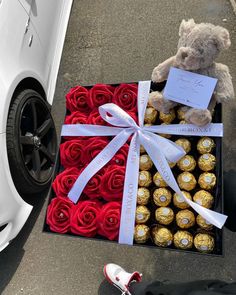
{"points": [[142, 150], [168, 117], [185, 218], [143, 196], [207, 162], [141, 233], [145, 178], [162, 197], [164, 215], [182, 122], [203, 223], [207, 180], [162, 236], [186, 181], [171, 164], [203, 198], [165, 135], [204, 243], [205, 145], [145, 162], [150, 115], [187, 163], [179, 201], [142, 214], [183, 240], [158, 180], [181, 112], [184, 143]]}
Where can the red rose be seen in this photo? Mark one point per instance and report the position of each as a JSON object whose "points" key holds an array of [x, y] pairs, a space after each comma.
{"points": [[76, 118], [94, 146], [121, 156], [64, 181], [113, 183], [84, 218], [72, 153], [109, 220], [134, 116], [58, 215], [100, 94], [78, 100], [92, 187], [125, 96], [95, 118]]}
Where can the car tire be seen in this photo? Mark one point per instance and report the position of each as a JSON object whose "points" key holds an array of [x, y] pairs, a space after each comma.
{"points": [[31, 142]]}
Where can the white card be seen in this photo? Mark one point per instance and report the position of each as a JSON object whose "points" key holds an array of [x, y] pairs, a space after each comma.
{"points": [[189, 88]]}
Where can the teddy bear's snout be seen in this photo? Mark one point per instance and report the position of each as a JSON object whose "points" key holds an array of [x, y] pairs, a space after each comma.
{"points": [[184, 54]]}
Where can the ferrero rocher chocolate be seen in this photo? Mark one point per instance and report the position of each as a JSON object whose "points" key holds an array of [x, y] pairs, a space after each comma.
{"points": [[142, 214], [164, 215], [167, 117], [158, 180], [207, 162], [204, 243], [181, 112], [205, 145], [171, 164], [145, 178], [145, 162], [187, 163], [165, 135], [179, 200], [162, 236], [207, 180], [182, 122], [185, 218], [142, 150], [204, 198], [143, 196], [183, 240], [150, 115], [162, 197], [203, 223], [141, 233], [186, 181], [184, 143]]}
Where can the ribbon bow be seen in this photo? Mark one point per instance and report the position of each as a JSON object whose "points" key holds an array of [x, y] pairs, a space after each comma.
{"points": [[160, 150]]}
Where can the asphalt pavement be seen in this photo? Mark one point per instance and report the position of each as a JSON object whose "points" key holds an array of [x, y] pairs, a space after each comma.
{"points": [[112, 41]]}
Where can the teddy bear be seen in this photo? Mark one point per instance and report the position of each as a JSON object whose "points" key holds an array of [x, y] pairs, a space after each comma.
{"points": [[198, 47]]}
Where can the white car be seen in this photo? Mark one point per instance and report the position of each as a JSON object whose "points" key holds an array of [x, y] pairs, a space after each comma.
{"points": [[32, 34]]}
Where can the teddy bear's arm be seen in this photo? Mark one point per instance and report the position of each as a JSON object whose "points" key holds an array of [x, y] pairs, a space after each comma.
{"points": [[224, 90], [160, 73]]}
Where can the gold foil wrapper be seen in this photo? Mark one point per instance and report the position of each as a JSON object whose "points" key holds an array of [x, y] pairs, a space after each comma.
{"points": [[179, 202], [145, 162], [142, 214], [141, 233], [171, 164], [182, 122], [204, 243], [165, 135], [185, 218], [162, 197], [158, 180], [203, 223], [204, 198], [187, 163], [207, 180], [205, 145], [167, 117], [184, 143], [150, 115], [164, 215], [183, 240], [142, 150], [187, 181], [145, 178], [207, 162], [181, 112], [143, 196], [162, 236]]}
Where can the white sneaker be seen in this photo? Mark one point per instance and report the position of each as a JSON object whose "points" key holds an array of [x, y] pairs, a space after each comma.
{"points": [[121, 279]]}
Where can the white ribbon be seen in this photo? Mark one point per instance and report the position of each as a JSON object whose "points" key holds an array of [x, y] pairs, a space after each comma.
{"points": [[160, 150]]}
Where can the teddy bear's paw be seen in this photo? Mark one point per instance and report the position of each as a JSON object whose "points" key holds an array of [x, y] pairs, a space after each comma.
{"points": [[157, 74], [198, 117], [157, 101]]}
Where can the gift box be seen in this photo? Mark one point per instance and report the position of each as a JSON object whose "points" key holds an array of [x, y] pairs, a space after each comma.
{"points": [[97, 213]]}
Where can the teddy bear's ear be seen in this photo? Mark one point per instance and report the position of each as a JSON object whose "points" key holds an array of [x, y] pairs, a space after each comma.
{"points": [[223, 38], [186, 26]]}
